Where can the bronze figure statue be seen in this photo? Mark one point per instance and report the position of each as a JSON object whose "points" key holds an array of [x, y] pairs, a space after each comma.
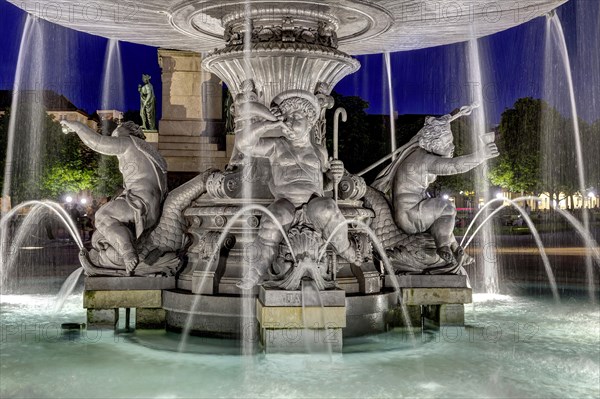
{"points": [[147, 104]]}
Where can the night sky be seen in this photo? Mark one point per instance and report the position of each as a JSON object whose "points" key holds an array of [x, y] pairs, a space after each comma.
{"points": [[429, 81]]}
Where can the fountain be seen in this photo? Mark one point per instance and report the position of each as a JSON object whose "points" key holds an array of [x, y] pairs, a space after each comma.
{"points": [[28, 74], [555, 34], [284, 250], [112, 82], [388, 70], [482, 186]]}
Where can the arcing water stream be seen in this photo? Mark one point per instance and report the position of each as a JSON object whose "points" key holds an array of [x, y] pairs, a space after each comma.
{"points": [[482, 186], [112, 82], [554, 30]]}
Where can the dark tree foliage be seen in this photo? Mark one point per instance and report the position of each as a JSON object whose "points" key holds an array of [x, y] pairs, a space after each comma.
{"points": [[538, 152], [407, 126], [133, 116], [591, 140], [361, 139], [518, 167], [47, 164]]}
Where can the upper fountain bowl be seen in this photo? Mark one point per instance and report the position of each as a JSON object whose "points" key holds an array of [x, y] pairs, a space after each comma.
{"points": [[362, 27]]}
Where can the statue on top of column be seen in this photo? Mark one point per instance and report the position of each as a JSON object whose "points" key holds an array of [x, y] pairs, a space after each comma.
{"points": [[147, 104]]}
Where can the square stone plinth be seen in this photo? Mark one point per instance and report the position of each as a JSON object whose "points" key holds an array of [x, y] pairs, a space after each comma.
{"points": [[129, 283], [122, 299], [445, 315], [103, 317], [426, 281], [302, 340], [436, 296], [289, 317], [150, 318], [274, 297], [396, 317]]}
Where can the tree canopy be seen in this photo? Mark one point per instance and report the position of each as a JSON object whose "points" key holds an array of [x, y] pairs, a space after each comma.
{"points": [[47, 163], [538, 152], [361, 140], [518, 167]]}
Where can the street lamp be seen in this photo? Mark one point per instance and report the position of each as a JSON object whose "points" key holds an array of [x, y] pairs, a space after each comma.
{"points": [[69, 199]]}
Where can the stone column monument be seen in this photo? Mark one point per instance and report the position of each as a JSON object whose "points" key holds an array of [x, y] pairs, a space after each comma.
{"points": [[192, 132]]}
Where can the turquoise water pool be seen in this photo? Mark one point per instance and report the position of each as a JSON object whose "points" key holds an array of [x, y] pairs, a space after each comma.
{"points": [[513, 347]]}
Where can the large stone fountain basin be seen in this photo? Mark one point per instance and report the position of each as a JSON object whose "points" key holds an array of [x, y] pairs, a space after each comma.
{"points": [[364, 27]]}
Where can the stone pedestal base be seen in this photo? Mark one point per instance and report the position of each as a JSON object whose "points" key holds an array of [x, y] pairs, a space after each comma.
{"points": [[152, 137], [430, 301], [300, 340], [104, 296], [412, 319], [288, 326], [428, 281], [122, 299], [368, 278], [437, 316], [203, 283], [150, 319], [129, 283], [221, 316], [436, 296], [107, 318], [192, 129]]}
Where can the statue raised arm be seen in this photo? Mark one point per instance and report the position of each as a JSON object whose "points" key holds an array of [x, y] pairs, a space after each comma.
{"points": [[144, 183], [252, 122], [107, 145]]}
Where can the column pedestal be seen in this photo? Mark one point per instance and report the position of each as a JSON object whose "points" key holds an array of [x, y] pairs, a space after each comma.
{"points": [[438, 300], [286, 326], [192, 131], [104, 296]]}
